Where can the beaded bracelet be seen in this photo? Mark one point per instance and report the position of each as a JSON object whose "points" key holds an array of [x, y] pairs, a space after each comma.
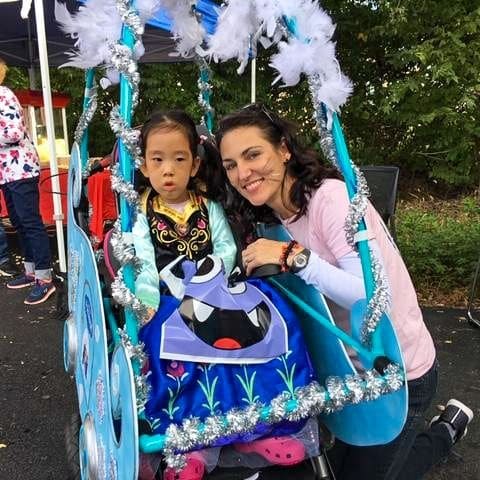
{"points": [[286, 250]]}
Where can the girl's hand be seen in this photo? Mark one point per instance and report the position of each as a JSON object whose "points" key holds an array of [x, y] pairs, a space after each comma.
{"points": [[262, 252]]}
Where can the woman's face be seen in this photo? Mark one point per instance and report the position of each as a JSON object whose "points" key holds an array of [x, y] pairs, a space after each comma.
{"points": [[255, 167]]}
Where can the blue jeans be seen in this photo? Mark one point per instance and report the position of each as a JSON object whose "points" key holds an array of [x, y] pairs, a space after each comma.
{"points": [[410, 455], [22, 199], [3, 245]]}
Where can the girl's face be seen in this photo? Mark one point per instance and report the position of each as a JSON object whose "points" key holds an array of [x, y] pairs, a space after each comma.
{"points": [[169, 163], [256, 168]]}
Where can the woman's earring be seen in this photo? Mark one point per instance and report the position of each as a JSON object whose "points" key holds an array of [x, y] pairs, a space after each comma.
{"points": [[287, 159]]}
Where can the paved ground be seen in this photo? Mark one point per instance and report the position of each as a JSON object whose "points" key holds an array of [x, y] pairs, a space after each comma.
{"points": [[37, 397]]}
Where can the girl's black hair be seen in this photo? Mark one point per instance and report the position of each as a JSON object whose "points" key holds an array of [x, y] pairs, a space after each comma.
{"points": [[305, 166], [210, 180]]}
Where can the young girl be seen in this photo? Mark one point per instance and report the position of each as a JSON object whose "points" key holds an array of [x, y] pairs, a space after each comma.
{"points": [[179, 215]]}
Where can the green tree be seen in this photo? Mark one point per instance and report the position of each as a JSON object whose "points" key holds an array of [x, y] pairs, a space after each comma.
{"points": [[415, 65]]}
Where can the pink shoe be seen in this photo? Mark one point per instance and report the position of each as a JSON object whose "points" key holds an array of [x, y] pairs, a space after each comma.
{"points": [[277, 450], [194, 470]]}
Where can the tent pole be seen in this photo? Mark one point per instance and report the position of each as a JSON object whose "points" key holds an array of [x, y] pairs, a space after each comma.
{"points": [[65, 129], [253, 80], [47, 102], [31, 68], [33, 125]]}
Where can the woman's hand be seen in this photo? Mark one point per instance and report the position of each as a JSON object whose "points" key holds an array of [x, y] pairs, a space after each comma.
{"points": [[262, 252]]}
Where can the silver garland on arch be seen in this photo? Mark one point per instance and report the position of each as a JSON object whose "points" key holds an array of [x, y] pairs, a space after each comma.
{"points": [[379, 303], [123, 295], [205, 91], [130, 17], [136, 352], [87, 114], [123, 61], [128, 136], [307, 401]]}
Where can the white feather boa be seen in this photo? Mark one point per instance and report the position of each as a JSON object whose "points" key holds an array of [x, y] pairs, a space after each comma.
{"points": [[308, 50], [186, 29], [97, 25]]}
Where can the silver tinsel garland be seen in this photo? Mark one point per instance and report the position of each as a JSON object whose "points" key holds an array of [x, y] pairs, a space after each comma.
{"points": [[130, 17], [205, 89], [123, 188], [306, 402], [128, 136], [357, 208], [123, 61], [379, 302], [326, 139], [122, 295], [137, 353], [87, 114], [123, 250]]}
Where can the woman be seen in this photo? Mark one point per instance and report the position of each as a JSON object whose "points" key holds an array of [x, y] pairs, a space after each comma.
{"points": [[19, 174], [273, 175]]}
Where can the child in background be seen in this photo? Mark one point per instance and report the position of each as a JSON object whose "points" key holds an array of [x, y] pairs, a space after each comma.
{"points": [[19, 176]]}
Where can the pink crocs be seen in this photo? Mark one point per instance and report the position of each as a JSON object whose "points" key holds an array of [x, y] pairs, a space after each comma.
{"points": [[193, 470], [277, 450]]}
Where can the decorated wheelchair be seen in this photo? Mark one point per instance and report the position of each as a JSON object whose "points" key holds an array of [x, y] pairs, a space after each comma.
{"points": [[165, 389]]}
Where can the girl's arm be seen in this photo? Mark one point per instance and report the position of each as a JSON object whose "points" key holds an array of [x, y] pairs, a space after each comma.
{"points": [[12, 128], [147, 282], [222, 237]]}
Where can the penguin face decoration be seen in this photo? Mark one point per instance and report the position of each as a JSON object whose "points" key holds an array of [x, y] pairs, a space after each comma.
{"points": [[218, 323]]}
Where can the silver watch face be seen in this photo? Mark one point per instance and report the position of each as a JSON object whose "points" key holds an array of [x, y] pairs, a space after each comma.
{"points": [[300, 260]]}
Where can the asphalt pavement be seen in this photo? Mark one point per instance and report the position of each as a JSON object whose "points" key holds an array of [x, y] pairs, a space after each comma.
{"points": [[37, 397]]}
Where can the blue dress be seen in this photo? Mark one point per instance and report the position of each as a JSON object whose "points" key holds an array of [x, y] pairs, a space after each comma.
{"points": [[221, 349]]}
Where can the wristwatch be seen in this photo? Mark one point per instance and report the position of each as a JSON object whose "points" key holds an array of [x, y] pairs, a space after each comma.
{"points": [[300, 260]]}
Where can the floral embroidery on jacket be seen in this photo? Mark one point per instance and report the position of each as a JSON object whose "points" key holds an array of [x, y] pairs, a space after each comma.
{"points": [[18, 157]]}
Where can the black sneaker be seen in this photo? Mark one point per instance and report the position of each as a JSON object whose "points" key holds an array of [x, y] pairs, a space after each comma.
{"points": [[7, 269], [458, 416]]}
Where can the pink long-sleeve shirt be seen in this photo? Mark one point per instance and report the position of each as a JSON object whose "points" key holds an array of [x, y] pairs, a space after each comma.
{"points": [[322, 231]]}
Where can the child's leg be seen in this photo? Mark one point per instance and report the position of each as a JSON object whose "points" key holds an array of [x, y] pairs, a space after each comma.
{"points": [[277, 450]]}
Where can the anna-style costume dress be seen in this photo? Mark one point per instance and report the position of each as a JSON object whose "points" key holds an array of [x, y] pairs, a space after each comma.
{"points": [[225, 378], [162, 233]]}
